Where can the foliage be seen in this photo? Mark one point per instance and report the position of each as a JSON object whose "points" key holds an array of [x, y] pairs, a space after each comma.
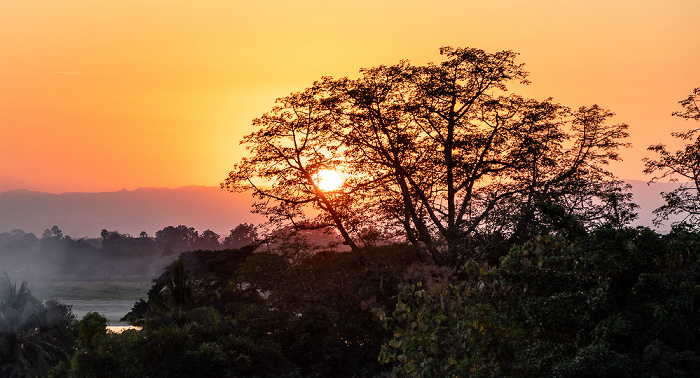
{"points": [[435, 154], [617, 302], [34, 336], [112, 257], [172, 240], [684, 164], [690, 106], [124, 246], [320, 309], [444, 328], [244, 234], [210, 350], [64, 252], [213, 350], [17, 242], [614, 301], [90, 327], [208, 239], [316, 309], [303, 333], [178, 300]]}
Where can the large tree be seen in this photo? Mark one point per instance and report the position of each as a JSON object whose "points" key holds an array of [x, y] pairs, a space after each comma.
{"points": [[439, 154], [683, 164]]}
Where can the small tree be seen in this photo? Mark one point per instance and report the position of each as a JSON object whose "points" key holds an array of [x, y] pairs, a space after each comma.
{"points": [[93, 325], [684, 163]]}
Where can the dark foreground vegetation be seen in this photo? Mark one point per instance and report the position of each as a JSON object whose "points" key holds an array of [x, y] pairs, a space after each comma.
{"points": [[478, 234], [613, 301]]}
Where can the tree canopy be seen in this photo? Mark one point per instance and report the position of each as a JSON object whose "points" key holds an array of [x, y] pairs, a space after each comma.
{"points": [[683, 164], [616, 303], [438, 155]]}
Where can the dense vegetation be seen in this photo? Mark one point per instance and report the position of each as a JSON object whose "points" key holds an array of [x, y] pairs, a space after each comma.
{"points": [[112, 256], [611, 301], [479, 234], [34, 336], [618, 302]]}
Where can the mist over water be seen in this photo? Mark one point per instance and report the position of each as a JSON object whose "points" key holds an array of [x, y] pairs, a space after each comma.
{"points": [[113, 310], [54, 257], [110, 255], [77, 250]]}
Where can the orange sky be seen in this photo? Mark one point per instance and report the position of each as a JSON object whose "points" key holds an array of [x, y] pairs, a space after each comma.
{"points": [[104, 95]]}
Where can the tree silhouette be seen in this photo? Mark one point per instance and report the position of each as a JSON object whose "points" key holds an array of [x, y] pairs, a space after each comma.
{"points": [[684, 163], [244, 234], [123, 245], [33, 335], [172, 240], [178, 300], [54, 232], [208, 240], [437, 154]]}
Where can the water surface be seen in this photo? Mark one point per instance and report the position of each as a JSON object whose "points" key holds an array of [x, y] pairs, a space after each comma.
{"points": [[113, 310]]}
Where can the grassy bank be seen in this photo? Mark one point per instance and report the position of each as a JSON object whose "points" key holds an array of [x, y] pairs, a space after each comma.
{"points": [[82, 290]]}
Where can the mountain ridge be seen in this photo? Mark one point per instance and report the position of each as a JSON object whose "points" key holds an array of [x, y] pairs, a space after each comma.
{"points": [[149, 209], [85, 214]]}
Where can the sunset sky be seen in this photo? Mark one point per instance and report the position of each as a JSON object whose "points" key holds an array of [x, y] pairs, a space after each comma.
{"points": [[105, 95]]}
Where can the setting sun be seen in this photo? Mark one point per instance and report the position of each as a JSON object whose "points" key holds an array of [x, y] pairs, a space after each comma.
{"points": [[328, 180]]}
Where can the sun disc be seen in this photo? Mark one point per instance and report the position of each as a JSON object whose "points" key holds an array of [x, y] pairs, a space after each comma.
{"points": [[328, 180]]}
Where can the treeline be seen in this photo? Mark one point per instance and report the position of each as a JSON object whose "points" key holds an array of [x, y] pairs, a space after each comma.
{"points": [[611, 301], [113, 255]]}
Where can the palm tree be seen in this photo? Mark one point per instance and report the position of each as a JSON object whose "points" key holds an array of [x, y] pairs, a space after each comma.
{"points": [[181, 300], [33, 336]]}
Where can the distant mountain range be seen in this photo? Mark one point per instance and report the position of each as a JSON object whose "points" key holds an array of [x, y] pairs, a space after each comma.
{"points": [[151, 209], [130, 212]]}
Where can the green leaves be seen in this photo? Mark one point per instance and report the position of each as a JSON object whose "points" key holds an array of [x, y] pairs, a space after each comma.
{"points": [[609, 303], [33, 335]]}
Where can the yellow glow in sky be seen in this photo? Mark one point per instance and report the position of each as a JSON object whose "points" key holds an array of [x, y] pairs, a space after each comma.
{"points": [[104, 95], [328, 180]]}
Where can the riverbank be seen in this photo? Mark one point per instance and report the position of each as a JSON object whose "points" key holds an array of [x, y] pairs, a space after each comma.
{"points": [[111, 299], [90, 290]]}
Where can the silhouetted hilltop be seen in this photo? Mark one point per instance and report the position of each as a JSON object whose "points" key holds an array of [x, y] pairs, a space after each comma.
{"points": [[143, 209], [201, 207]]}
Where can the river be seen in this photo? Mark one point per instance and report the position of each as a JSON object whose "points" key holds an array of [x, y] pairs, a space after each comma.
{"points": [[113, 310]]}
